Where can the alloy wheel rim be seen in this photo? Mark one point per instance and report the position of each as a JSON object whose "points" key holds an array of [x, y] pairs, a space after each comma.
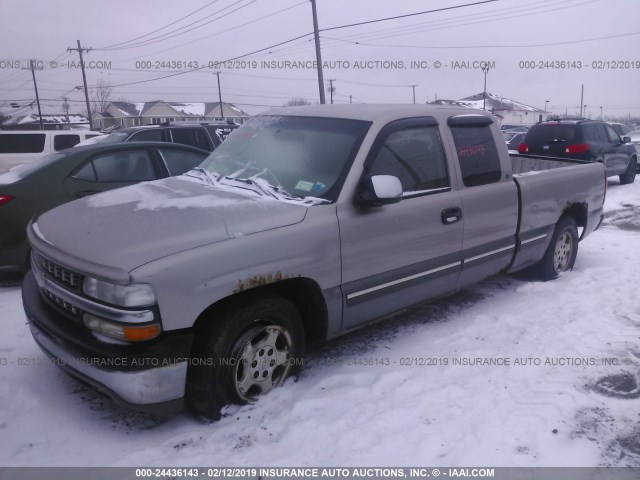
{"points": [[262, 362], [562, 252]]}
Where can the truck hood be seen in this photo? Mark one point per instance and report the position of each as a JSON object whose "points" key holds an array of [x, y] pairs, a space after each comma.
{"points": [[131, 226]]}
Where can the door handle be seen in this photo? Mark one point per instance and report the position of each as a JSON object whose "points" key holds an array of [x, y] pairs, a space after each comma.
{"points": [[451, 215], [85, 193]]}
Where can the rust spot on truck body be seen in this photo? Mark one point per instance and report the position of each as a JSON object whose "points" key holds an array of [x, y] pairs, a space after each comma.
{"points": [[259, 280]]}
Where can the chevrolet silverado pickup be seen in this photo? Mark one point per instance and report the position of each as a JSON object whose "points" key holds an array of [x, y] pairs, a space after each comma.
{"points": [[203, 290]]}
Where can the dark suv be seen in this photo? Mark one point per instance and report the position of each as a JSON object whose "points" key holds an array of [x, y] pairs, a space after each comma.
{"points": [[590, 140], [204, 135]]}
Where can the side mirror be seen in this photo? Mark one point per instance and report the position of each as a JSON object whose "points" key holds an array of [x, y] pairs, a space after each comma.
{"points": [[379, 190], [626, 139]]}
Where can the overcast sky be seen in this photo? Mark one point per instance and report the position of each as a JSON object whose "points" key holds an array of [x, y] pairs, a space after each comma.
{"points": [[598, 41]]}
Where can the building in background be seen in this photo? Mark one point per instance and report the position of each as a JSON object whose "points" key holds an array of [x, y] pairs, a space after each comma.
{"points": [[508, 111], [60, 121], [125, 114]]}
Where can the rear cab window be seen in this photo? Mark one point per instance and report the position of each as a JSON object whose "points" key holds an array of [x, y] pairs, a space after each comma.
{"points": [[476, 148]]}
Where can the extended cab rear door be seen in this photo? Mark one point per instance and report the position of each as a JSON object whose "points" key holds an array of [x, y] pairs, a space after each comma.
{"points": [[489, 197], [398, 255]]}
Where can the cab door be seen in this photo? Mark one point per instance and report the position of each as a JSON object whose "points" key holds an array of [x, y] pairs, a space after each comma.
{"points": [[399, 255], [489, 199]]}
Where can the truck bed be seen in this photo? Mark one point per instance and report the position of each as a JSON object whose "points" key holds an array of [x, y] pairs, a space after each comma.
{"points": [[522, 164], [549, 186]]}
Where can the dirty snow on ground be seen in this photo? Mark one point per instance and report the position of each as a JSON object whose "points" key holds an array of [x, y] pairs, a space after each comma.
{"points": [[362, 400]]}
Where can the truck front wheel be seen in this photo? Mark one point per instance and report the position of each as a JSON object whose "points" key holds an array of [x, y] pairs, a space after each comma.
{"points": [[250, 350], [561, 252]]}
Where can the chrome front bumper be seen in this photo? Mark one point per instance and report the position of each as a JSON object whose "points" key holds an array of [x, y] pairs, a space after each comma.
{"points": [[158, 384]]}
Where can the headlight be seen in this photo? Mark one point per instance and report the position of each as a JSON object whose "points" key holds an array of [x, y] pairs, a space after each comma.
{"points": [[133, 295]]}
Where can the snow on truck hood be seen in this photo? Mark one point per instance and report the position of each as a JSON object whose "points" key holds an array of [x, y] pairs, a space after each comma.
{"points": [[128, 227]]}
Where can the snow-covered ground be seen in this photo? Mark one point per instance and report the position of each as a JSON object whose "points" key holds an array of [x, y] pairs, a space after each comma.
{"points": [[350, 408]]}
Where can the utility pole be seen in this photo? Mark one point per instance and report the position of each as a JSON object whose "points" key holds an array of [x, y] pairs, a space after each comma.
{"points": [[318, 55], [351, 99], [414, 93], [65, 105], [32, 66], [220, 95], [331, 89], [84, 80], [581, 100], [485, 69]]}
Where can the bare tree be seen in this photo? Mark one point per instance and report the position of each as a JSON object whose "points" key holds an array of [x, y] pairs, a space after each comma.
{"points": [[297, 101], [101, 96]]}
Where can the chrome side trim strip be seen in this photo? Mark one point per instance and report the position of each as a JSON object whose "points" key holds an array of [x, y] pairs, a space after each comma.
{"points": [[529, 240], [402, 280], [492, 252]]}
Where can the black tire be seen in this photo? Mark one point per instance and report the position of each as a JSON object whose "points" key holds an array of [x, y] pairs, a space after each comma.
{"points": [[249, 349], [630, 175], [562, 251]]}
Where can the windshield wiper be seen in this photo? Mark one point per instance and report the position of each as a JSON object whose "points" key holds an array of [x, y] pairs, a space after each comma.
{"points": [[211, 178]]}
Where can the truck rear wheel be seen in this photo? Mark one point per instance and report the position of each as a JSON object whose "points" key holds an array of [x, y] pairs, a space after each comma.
{"points": [[561, 252], [250, 350], [630, 175]]}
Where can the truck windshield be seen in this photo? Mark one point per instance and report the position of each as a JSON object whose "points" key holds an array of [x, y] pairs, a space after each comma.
{"points": [[304, 156]]}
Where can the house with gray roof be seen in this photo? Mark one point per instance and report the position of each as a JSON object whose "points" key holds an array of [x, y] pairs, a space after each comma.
{"points": [[126, 114]]}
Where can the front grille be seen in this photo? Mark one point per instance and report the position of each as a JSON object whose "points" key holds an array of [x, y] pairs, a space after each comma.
{"points": [[62, 304], [59, 273]]}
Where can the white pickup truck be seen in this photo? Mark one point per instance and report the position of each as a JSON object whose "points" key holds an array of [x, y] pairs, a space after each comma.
{"points": [[304, 224]]}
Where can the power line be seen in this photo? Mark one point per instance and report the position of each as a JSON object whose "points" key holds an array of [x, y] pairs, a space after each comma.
{"points": [[568, 42], [161, 28], [307, 35], [206, 66], [457, 22], [159, 38], [406, 15], [419, 27], [220, 32]]}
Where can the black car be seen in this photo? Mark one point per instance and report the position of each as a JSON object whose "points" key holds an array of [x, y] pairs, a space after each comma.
{"points": [[57, 178], [204, 135], [588, 140]]}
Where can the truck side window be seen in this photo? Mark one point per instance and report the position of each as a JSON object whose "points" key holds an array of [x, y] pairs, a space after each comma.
{"points": [[477, 154], [414, 155]]}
